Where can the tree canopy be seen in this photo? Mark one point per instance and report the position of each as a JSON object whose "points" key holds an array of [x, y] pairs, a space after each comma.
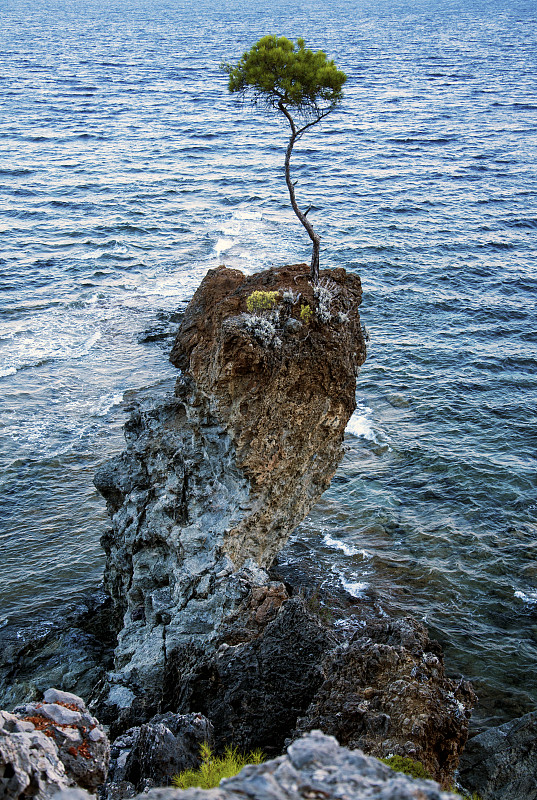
{"points": [[277, 70], [294, 80]]}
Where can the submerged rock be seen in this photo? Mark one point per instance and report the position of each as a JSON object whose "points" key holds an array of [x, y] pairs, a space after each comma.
{"points": [[215, 478], [72, 650]]}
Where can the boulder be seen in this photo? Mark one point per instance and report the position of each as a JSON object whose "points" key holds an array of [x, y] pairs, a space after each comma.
{"points": [[82, 744], [48, 745], [30, 765], [151, 754], [385, 692], [502, 762], [314, 768]]}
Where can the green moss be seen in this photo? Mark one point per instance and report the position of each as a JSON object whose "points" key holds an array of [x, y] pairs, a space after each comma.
{"points": [[214, 768], [407, 765], [261, 301], [416, 770], [473, 796]]}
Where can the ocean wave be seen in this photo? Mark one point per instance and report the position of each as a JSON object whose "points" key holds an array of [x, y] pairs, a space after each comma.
{"points": [[361, 424], [348, 549], [357, 589], [106, 404], [5, 371], [223, 245], [46, 341], [529, 598]]}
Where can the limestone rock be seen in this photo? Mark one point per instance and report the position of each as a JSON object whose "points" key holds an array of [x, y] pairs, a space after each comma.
{"points": [[314, 768], [214, 479], [81, 743], [502, 762], [30, 765], [386, 692], [285, 404]]}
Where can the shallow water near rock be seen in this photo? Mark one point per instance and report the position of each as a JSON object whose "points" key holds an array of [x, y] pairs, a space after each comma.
{"points": [[127, 172]]}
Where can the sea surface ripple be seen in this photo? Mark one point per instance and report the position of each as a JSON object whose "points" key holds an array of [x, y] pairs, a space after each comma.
{"points": [[126, 171]]}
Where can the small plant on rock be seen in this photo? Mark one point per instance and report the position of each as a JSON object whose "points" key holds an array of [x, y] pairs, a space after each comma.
{"points": [[214, 768], [306, 314], [289, 297], [261, 301]]}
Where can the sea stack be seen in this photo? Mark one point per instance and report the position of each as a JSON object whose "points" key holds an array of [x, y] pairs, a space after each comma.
{"points": [[215, 478]]}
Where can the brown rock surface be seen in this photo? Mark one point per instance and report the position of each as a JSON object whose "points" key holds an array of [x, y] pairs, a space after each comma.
{"points": [[285, 404], [386, 693]]}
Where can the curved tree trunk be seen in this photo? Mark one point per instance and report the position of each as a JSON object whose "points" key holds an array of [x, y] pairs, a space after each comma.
{"points": [[315, 238]]}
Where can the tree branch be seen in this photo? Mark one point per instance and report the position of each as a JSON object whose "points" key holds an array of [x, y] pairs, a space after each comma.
{"points": [[315, 238]]}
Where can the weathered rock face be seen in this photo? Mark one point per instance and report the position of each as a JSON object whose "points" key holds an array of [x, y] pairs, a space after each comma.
{"points": [[30, 765], [314, 768], [502, 762], [261, 678], [149, 755], [214, 479], [283, 390], [46, 746], [212, 482], [386, 692]]}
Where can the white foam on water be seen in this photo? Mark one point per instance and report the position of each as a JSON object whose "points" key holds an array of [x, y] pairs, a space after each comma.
{"points": [[51, 337], [348, 549], [356, 588], [105, 404], [92, 340], [361, 424], [252, 215], [223, 245], [530, 598]]}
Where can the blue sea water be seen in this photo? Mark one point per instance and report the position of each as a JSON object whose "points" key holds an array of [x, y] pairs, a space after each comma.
{"points": [[127, 171]]}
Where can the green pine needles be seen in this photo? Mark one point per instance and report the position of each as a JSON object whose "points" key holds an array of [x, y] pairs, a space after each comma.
{"points": [[214, 768], [296, 81], [277, 70]]}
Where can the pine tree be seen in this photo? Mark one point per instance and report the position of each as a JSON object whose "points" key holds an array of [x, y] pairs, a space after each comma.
{"points": [[301, 85]]}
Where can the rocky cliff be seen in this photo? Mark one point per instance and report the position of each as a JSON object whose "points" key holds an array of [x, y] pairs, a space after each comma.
{"points": [[212, 482], [215, 478]]}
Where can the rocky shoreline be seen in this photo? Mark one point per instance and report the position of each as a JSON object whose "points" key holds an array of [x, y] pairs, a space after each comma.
{"points": [[200, 633]]}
